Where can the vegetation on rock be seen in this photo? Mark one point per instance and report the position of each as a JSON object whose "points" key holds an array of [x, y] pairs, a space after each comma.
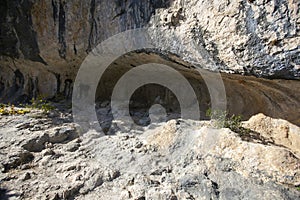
{"points": [[11, 110], [40, 103], [220, 119]]}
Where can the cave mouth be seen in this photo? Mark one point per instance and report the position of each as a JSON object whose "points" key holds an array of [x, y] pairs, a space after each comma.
{"points": [[246, 95], [151, 102]]}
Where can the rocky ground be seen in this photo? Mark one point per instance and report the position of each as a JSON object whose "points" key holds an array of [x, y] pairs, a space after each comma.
{"points": [[43, 156], [46, 156]]}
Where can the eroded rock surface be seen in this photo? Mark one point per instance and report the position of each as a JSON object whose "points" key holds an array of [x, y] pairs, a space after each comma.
{"points": [[42, 45], [278, 131], [254, 37], [44, 42], [178, 159]]}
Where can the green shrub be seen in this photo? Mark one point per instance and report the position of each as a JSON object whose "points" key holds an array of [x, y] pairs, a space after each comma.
{"points": [[36, 103], [234, 123], [220, 119], [40, 103]]}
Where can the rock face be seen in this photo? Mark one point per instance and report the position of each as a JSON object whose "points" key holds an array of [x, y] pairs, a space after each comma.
{"points": [[42, 45], [278, 131], [178, 159], [51, 38], [252, 37], [245, 95], [257, 37]]}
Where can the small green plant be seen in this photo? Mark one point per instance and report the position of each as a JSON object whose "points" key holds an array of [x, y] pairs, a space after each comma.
{"points": [[23, 111], [298, 188], [234, 123], [220, 119], [3, 110], [41, 104], [11, 110]]}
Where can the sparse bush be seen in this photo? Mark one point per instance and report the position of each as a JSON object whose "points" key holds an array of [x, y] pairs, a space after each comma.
{"points": [[234, 123], [220, 119], [36, 103], [41, 104]]}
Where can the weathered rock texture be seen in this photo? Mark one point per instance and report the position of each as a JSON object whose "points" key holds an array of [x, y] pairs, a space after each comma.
{"points": [[53, 37], [246, 95], [253, 37], [278, 131], [260, 37], [42, 44], [45, 158]]}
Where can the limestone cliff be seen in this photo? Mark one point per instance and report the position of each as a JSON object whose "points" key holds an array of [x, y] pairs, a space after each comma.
{"points": [[51, 38], [42, 43]]}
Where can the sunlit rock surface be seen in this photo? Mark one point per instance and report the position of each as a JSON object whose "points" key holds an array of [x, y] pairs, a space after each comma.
{"points": [[48, 157]]}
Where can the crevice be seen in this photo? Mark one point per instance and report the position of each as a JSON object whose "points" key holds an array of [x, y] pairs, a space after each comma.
{"points": [[119, 14], [93, 24], [74, 48], [58, 81], [55, 11], [68, 88], [215, 188], [62, 30], [215, 185]]}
